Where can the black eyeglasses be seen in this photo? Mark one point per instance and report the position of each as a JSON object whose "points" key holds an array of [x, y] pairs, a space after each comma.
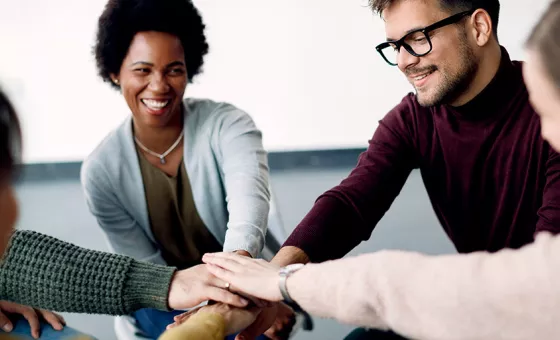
{"points": [[417, 42]]}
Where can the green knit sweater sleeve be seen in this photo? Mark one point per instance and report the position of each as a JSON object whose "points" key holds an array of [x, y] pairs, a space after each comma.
{"points": [[41, 271]]}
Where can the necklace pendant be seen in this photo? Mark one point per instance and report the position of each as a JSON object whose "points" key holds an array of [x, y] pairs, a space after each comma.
{"points": [[163, 155]]}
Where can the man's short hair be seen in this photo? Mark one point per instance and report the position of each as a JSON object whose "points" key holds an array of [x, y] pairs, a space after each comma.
{"points": [[453, 6]]}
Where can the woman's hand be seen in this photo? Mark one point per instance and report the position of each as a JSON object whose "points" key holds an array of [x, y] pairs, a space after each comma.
{"points": [[194, 285], [249, 277]]}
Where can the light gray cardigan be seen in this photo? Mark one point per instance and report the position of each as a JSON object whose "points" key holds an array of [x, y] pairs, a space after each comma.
{"points": [[227, 168]]}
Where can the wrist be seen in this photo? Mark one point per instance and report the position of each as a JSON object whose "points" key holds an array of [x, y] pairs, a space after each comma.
{"points": [[289, 255], [243, 253], [147, 285], [171, 291], [284, 275]]}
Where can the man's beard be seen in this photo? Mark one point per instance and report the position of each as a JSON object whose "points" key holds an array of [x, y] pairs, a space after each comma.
{"points": [[452, 87]]}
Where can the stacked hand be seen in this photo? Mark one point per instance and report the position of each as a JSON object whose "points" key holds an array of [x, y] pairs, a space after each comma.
{"points": [[275, 322], [235, 319], [192, 286], [255, 279]]}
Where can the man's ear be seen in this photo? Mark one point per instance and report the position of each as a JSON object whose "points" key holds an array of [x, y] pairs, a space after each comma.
{"points": [[481, 27]]}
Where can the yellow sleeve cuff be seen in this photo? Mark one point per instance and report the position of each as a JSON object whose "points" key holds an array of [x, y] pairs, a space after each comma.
{"points": [[201, 326]]}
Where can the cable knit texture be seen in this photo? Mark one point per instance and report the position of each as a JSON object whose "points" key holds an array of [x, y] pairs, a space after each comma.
{"points": [[44, 272]]}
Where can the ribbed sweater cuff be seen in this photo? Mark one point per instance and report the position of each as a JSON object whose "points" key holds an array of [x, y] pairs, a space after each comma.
{"points": [[147, 286]]}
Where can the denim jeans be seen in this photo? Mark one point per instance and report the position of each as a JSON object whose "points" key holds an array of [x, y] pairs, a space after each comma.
{"points": [[22, 331]]}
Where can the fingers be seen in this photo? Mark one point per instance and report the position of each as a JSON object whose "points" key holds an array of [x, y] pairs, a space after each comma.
{"points": [[228, 261], [5, 323], [283, 324], [31, 316], [272, 334], [224, 296], [184, 316], [181, 318], [56, 321], [220, 279], [259, 303], [176, 323], [264, 320], [220, 282], [251, 332], [217, 281], [256, 301], [279, 331], [61, 318]]}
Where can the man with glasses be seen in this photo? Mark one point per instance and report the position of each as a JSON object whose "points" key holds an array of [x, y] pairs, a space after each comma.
{"points": [[470, 129]]}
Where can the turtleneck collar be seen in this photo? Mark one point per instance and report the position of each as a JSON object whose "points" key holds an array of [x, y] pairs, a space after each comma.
{"points": [[490, 101]]}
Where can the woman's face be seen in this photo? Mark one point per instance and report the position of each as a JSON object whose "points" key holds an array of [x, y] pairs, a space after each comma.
{"points": [[8, 214], [153, 78], [544, 96]]}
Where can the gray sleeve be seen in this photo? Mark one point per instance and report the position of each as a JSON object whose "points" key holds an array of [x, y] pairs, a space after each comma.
{"points": [[123, 233], [245, 170]]}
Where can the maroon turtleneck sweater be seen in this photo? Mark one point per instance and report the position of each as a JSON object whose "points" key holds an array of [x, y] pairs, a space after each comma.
{"points": [[491, 178]]}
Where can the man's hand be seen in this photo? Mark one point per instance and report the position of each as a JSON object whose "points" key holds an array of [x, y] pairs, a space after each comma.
{"points": [[194, 285], [32, 315], [235, 319], [283, 324], [275, 322]]}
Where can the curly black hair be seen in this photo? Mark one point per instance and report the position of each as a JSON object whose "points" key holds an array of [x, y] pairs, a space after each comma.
{"points": [[10, 140], [122, 19]]}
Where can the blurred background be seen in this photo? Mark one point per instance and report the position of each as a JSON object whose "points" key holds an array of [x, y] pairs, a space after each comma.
{"points": [[306, 70]]}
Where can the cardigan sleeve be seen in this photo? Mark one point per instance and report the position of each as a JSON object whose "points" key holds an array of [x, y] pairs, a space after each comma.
{"points": [[244, 167], [124, 234]]}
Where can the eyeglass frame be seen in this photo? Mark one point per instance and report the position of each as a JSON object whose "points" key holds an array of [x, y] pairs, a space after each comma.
{"points": [[426, 30]]}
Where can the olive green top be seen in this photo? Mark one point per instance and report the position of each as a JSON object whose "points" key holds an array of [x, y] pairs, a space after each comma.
{"points": [[177, 227]]}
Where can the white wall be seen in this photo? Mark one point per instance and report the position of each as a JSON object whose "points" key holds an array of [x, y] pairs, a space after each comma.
{"points": [[306, 70]]}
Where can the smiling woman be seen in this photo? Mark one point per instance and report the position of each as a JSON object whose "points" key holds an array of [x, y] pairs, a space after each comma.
{"points": [[153, 86], [158, 183]]}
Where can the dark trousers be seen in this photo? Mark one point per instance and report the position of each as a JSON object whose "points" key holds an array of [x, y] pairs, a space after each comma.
{"points": [[371, 334]]}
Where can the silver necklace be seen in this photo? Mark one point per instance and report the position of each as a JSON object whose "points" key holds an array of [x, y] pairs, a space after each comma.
{"points": [[163, 155]]}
